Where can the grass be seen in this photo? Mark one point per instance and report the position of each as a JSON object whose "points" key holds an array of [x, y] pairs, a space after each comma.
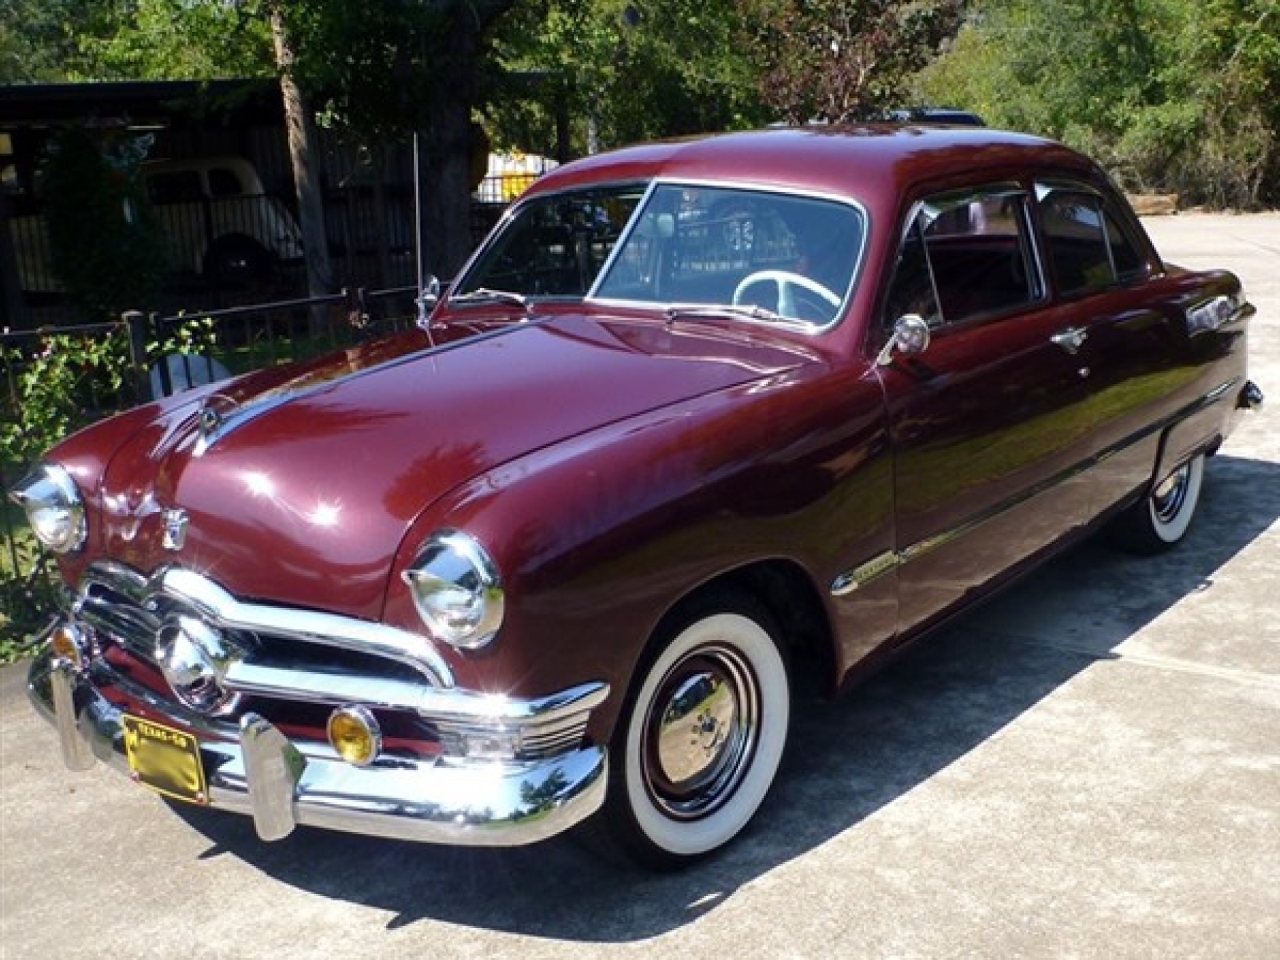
{"points": [[25, 596]]}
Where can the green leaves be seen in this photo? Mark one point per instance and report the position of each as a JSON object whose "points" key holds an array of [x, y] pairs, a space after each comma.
{"points": [[1172, 95], [107, 247]]}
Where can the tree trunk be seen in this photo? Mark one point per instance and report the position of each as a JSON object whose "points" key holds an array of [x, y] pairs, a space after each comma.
{"points": [[446, 157], [304, 155]]}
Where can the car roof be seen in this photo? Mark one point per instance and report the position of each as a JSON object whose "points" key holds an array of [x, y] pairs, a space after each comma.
{"points": [[864, 160]]}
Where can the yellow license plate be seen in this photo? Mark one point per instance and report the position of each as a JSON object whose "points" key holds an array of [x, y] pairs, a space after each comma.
{"points": [[164, 759]]}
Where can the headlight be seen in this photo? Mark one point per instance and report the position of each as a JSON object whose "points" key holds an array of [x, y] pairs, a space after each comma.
{"points": [[457, 590], [54, 507]]}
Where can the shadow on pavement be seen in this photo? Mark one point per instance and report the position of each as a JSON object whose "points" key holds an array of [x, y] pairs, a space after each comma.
{"points": [[846, 759]]}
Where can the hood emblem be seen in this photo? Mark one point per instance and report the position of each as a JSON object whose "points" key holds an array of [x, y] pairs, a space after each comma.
{"points": [[175, 529]]}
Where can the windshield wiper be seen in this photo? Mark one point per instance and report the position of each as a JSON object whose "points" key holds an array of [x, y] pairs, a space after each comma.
{"points": [[748, 310], [488, 295]]}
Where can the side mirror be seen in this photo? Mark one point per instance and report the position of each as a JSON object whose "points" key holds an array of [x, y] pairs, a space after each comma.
{"points": [[428, 297], [910, 338]]}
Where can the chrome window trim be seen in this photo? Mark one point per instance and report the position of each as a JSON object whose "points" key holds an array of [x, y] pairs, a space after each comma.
{"points": [[1028, 241], [752, 186]]}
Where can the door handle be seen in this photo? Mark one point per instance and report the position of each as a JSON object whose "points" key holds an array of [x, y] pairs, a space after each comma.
{"points": [[1071, 339]]}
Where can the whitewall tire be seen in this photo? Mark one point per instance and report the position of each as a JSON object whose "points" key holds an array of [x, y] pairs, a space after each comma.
{"points": [[702, 738], [1161, 519]]}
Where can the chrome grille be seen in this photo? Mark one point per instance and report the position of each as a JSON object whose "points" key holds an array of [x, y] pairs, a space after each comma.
{"points": [[301, 663]]}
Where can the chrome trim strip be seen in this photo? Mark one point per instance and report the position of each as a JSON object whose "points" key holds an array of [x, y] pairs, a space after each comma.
{"points": [[490, 804], [451, 705], [1218, 392], [851, 580]]}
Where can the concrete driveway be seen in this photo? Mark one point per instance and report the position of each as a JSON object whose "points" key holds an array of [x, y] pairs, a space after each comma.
{"points": [[1088, 767]]}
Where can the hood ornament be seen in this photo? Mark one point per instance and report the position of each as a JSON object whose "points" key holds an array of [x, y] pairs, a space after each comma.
{"points": [[175, 528], [210, 421]]}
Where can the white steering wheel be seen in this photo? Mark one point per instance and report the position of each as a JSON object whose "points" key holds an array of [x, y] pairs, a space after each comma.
{"points": [[786, 282]]}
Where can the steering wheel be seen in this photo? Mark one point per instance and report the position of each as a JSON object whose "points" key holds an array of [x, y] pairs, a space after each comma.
{"points": [[786, 282]]}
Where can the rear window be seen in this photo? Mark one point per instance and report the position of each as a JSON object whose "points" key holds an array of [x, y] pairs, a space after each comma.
{"points": [[1087, 247]]}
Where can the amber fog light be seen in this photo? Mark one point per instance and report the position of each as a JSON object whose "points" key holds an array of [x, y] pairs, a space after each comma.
{"points": [[355, 734], [66, 643]]}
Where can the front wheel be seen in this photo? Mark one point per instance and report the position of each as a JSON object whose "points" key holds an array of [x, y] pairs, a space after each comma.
{"points": [[1161, 519], [700, 742]]}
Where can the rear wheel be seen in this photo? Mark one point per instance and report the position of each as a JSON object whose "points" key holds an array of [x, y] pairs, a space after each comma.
{"points": [[703, 733], [1161, 519]]}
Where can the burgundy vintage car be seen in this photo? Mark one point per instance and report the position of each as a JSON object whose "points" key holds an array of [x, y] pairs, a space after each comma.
{"points": [[696, 414]]}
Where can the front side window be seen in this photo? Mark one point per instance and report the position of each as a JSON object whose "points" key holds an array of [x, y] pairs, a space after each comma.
{"points": [[964, 255], [554, 246]]}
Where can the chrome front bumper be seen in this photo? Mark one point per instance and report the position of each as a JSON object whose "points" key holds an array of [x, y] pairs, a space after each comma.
{"points": [[282, 784]]}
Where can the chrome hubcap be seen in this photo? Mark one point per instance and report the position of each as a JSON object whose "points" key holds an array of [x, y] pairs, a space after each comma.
{"points": [[1168, 497], [700, 732]]}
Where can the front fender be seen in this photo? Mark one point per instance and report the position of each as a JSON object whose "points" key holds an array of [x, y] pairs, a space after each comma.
{"points": [[599, 536]]}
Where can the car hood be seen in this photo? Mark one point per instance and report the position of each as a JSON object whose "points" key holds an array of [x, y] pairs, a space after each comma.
{"points": [[298, 484]]}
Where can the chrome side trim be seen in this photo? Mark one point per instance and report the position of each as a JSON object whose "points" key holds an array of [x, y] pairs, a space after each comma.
{"points": [[849, 581]]}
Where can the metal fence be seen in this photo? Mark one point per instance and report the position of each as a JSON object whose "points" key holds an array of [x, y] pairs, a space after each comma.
{"points": [[148, 363], [234, 250]]}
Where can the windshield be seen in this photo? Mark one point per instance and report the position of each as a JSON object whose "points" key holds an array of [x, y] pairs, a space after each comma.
{"points": [[766, 255]]}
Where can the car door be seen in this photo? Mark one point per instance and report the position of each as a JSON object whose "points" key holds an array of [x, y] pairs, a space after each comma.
{"points": [[1100, 268], [987, 451]]}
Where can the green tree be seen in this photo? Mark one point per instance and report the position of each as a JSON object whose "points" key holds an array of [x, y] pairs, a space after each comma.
{"points": [[40, 40], [381, 71], [623, 71], [75, 40], [183, 39], [1178, 95], [95, 182], [843, 59]]}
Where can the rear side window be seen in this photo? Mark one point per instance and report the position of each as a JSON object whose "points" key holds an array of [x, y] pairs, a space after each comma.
{"points": [[965, 255], [224, 183], [1086, 246]]}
